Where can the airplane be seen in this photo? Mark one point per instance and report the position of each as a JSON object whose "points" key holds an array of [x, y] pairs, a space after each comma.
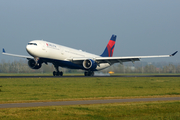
{"points": [[62, 56]]}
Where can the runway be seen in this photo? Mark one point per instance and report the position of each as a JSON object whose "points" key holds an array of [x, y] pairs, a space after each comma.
{"points": [[84, 102], [89, 76]]}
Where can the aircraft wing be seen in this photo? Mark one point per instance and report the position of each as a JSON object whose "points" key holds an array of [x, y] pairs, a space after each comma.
{"points": [[22, 56], [112, 60]]}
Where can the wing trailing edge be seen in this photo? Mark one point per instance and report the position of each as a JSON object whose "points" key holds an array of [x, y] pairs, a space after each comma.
{"points": [[112, 60]]}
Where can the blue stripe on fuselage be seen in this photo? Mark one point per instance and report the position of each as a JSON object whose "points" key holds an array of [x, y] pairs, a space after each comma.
{"points": [[66, 64]]}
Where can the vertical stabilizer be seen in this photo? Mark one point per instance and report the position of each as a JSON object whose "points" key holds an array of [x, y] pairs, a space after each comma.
{"points": [[108, 52]]}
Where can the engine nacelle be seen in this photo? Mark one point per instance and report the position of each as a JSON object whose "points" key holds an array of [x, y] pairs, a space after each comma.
{"points": [[32, 64], [89, 64]]}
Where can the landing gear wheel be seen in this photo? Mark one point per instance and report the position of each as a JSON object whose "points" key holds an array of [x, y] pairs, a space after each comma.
{"points": [[85, 73], [92, 73], [61, 73], [54, 73], [89, 73], [57, 69], [57, 73]]}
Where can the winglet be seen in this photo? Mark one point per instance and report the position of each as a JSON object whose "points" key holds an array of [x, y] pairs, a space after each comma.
{"points": [[174, 53], [4, 50]]}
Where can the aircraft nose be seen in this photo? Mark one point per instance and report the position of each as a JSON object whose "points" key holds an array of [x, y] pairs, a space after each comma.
{"points": [[29, 49]]}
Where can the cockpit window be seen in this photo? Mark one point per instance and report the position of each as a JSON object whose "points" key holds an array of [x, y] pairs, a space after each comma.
{"points": [[32, 44]]}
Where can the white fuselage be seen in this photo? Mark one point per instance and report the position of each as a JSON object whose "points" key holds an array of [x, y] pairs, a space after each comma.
{"points": [[44, 49]]}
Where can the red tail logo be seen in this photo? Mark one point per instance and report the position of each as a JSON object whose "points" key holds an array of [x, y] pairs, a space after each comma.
{"points": [[110, 48], [108, 52]]}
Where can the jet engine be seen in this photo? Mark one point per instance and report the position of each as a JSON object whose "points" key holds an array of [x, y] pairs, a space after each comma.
{"points": [[89, 64], [32, 64]]}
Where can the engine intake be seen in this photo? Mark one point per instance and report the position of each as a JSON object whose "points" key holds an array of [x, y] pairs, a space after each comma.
{"points": [[32, 64], [89, 64]]}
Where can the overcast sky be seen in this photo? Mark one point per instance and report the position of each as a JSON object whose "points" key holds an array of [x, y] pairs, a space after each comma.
{"points": [[143, 27]]}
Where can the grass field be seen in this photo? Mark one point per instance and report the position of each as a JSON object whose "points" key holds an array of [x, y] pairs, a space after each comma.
{"points": [[52, 89], [126, 111], [55, 89]]}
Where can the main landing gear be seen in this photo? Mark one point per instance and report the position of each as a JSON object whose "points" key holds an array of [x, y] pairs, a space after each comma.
{"points": [[57, 72], [89, 73]]}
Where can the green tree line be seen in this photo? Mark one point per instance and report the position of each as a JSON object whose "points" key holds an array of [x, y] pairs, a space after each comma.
{"points": [[146, 68]]}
